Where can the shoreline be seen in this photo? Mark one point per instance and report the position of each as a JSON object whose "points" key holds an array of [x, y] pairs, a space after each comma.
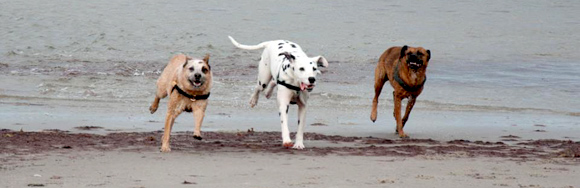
{"points": [[257, 159], [511, 147]]}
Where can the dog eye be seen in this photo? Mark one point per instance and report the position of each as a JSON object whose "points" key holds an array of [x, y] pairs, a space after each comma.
{"points": [[301, 69], [204, 70], [191, 69]]}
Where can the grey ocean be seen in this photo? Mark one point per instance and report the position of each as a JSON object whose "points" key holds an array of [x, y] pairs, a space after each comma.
{"points": [[498, 67]]}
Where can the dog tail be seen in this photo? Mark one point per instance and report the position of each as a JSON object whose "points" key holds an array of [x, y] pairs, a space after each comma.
{"points": [[247, 47]]}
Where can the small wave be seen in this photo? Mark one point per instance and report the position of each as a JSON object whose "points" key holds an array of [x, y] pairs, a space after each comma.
{"points": [[331, 98], [472, 107]]}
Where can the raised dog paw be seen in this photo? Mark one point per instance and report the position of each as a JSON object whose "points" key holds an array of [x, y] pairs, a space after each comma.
{"points": [[197, 137], [298, 146], [288, 144], [374, 116], [153, 109], [253, 102]]}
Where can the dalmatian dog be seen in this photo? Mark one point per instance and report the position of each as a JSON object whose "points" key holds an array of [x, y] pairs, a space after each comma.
{"points": [[284, 63]]}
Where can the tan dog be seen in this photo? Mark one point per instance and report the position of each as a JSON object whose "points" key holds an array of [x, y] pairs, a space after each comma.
{"points": [[405, 68], [188, 83]]}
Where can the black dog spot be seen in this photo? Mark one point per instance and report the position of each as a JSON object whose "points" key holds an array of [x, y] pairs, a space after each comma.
{"points": [[287, 56], [263, 86], [286, 67], [293, 46], [280, 47], [287, 107], [280, 44]]}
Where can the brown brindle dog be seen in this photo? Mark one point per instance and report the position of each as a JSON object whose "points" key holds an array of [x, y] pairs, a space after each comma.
{"points": [[405, 68], [188, 82]]}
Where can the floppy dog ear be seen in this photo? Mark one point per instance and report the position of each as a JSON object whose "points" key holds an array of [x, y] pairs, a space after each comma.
{"points": [[428, 53], [403, 50], [206, 60], [186, 61], [288, 56], [181, 57], [320, 61]]}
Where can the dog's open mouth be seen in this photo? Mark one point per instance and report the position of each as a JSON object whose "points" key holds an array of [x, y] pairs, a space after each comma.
{"points": [[415, 65], [308, 87], [196, 83]]}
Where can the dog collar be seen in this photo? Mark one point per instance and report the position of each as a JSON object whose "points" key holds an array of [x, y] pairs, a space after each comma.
{"points": [[297, 89], [191, 97], [402, 83]]}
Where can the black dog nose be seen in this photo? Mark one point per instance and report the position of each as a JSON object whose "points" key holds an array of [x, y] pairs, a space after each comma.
{"points": [[197, 76], [311, 79]]}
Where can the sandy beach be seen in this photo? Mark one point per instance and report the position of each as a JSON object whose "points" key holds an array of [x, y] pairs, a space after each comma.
{"points": [[255, 159], [499, 108]]}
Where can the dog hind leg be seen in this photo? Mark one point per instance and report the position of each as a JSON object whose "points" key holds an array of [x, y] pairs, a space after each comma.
{"points": [[380, 79], [256, 95], [270, 89], [264, 77]]}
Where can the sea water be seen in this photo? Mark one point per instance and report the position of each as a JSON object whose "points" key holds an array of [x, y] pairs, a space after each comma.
{"points": [[489, 58]]}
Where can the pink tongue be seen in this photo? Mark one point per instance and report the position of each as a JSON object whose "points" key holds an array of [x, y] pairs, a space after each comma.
{"points": [[302, 86]]}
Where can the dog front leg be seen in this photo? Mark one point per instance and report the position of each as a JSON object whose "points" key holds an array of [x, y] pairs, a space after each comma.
{"points": [[301, 121], [199, 114], [397, 112], [284, 97], [410, 105], [169, 120]]}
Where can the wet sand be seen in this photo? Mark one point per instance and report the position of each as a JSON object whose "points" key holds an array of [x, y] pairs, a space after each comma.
{"points": [[256, 159]]}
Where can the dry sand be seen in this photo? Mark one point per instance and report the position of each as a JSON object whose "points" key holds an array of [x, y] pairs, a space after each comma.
{"points": [[245, 169], [256, 159]]}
